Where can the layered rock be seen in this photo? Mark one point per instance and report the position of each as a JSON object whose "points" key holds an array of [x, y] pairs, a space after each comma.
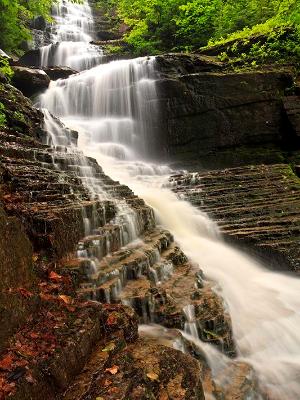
{"points": [[56, 73], [213, 117], [255, 205]]}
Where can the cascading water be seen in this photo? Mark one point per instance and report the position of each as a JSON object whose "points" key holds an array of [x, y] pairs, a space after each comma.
{"points": [[71, 34], [113, 108]]}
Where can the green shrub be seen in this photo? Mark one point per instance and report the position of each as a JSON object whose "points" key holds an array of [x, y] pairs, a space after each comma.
{"points": [[5, 68]]}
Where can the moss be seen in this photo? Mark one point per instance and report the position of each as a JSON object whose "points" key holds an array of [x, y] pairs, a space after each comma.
{"points": [[2, 115], [19, 117]]}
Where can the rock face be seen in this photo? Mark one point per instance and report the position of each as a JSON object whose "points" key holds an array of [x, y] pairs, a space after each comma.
{"points": [[211, 117], [292, 109], [30, 81], [21, 117], [256, 206], [139, 371], [16, 272], [56, 73]]}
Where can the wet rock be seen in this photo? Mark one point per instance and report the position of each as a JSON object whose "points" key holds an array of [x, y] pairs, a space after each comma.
{"points": [[215, 118], [3, 54], [56, 73], [16, 271], [292, 109], [21, 116], [176, 64], [31, 58], [30, 81], [140, 371], [256, 207]]}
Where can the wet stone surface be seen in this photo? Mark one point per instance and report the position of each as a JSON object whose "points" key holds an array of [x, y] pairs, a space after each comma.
{"points": [[254, 206]]}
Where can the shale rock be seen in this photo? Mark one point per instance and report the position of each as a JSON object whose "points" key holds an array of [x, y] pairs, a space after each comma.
{"points": [[257, 207], [215, 118], [56, 73], [292, 109], [138, 371], [16, 271], [30, 81]]}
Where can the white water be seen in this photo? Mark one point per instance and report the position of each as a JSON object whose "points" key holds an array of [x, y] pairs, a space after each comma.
{"points": [[113, 108], [71, 34]]}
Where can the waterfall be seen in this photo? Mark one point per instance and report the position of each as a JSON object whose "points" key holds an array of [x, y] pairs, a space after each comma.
{"points": [[71, 34], [113, 105], [113, 108]]}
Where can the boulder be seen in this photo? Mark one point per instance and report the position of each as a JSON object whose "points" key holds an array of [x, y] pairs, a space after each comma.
{"points": [[30, 81], [3, 54], [56, 73], [31, 58]]}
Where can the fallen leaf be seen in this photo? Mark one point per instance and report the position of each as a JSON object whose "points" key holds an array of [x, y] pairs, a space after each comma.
{"points": [[113, 390], [152, 376], [111, 320], [47, 297], [111, 346], [55, 277], [107, 383], [29, 378], [65, 299], [34, 335], [24, 292], [113, 370], [6, 363]]}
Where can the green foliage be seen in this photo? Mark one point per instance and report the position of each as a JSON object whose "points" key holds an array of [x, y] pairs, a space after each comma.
{"points": [[185, 25], [5, 68], [15, 17], [2, 115]]}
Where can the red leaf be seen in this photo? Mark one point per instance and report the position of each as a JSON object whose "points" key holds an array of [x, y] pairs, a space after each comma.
{"points": [[6, 363], [24, 292], [47, 297], [34, 335], [111, 320], [65, 299], [55, 277], [113, 370], [29, 378]]}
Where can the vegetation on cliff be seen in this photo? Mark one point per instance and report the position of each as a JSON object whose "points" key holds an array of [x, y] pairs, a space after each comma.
{"points": [[15, 20], [189, 25]]}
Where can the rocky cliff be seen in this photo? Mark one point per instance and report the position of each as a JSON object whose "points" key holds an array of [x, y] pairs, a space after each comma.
{"points": [[213, 117], [256, 207]]}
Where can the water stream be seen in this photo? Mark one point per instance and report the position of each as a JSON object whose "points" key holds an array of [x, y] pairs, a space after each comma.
{"points": [[113, 108]]}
